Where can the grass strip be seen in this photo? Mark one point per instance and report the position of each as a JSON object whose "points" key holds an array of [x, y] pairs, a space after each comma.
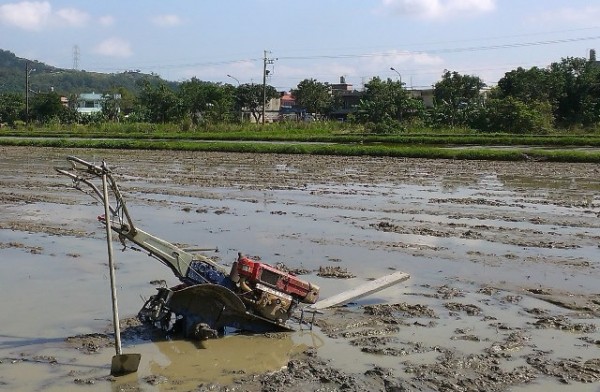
{"points": [[441, 139], [405, 151]]}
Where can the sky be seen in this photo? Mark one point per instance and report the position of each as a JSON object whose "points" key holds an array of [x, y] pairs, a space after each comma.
{"points": [[226, 40]]}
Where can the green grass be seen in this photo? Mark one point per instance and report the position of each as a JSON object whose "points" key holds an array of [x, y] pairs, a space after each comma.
{"points": [[322, 132], [406, 151], [329, 138]]}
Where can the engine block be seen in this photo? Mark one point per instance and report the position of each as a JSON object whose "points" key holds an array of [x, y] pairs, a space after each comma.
{"points": [[259, 273]]}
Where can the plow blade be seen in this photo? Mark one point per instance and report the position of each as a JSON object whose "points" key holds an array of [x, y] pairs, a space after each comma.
{"points": [[361, 291], [123, 364]]}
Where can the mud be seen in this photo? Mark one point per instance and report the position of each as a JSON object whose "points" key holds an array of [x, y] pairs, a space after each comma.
{"points": [[503, 294]]}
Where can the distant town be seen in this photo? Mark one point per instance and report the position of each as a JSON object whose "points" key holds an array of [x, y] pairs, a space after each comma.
{"points": [[560, 96]]}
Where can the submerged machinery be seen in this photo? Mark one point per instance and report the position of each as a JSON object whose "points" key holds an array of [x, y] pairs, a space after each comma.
{"points": [[250, 296]]}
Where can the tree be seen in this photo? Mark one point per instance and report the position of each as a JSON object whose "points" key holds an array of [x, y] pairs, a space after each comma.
{"points": [[250, 97], [111, 106], [575, 83], [385, 102], [570, 87], [532, 85], [206, 101], [159, 103], [223, 109], [456, 97], [46, 106], [128, 100], [11, 107], [512, 115], [590, 102], [314, 96]]}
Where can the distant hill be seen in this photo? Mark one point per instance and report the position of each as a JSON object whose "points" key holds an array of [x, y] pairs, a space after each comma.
{"points": [[64, 81]]}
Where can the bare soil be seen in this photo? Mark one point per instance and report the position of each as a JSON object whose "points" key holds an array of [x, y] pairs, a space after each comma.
{"points": [[503, 294]]}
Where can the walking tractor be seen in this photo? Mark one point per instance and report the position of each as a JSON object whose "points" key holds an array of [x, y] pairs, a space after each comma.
{"points": [[251, 296]]}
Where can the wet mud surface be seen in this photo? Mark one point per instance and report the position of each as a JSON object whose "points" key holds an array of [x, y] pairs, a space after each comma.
{"points": [[503, 294]]}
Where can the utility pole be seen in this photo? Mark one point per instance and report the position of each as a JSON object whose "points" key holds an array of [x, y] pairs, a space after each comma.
{"points": [[28, 72], [265, 73], [238, 84], [27, 92], [400, 80]]}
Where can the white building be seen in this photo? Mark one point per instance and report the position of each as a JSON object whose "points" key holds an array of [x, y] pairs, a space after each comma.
{"points": [[91, 103]]}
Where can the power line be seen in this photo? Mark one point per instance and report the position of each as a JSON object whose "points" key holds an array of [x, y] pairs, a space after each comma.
{"points": [[439, 51], [490, 38], [187, 65], [372, 55]]}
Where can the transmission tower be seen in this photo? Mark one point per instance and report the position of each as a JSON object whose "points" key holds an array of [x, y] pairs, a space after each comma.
{"points": [[76, 57]]}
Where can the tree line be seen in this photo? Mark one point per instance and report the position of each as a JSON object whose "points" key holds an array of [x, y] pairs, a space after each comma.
{"points": [[562, 96]]}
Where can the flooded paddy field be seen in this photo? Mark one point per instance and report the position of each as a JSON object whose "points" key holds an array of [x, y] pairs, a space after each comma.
{"points": [[503, 258]]}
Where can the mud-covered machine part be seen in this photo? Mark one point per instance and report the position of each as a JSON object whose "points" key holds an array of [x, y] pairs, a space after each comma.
{"points": [[252, 296]]}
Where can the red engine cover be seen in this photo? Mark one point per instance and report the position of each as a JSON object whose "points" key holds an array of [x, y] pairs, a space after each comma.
{"points": [[258, 272]]}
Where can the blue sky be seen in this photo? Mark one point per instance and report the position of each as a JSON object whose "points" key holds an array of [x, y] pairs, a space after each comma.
{"points": [[321, 39]]}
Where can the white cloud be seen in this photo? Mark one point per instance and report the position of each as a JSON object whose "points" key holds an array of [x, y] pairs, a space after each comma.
{"points": [[410, 65], [166, 20], [585, 15], [37, 15], [403, 57], [437, 9], [72, 16], [26, 15], [106, 20], [114, 47]]}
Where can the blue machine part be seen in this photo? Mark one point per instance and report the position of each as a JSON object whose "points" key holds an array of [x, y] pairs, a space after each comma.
{"points": [[200, 272]]}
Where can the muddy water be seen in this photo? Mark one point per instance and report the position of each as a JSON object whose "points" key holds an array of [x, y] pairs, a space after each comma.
{"points": [[493, 249]]}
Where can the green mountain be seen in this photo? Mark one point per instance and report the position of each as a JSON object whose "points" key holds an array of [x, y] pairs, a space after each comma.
{"points": [[45, 78]]}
